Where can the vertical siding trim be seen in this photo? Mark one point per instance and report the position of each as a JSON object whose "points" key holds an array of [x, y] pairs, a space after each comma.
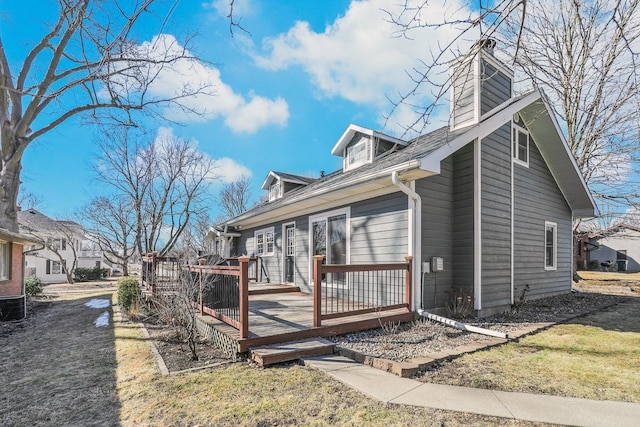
{"points": [[477, 226], [477, 87], [512, 216]]}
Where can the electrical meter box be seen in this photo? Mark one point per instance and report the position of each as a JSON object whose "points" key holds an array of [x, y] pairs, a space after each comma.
{"points": [[437, 263]]}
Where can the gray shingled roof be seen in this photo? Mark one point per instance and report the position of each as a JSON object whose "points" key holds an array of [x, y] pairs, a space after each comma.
{"points": [[417, 148], [31, 221], [291, 177]]}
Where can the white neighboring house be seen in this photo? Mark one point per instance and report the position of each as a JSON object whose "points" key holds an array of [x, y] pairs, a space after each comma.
{"points": [[67, 237], [618, 245]]}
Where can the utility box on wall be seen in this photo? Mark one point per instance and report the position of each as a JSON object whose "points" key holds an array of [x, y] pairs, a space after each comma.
{"points": [[437, 264]]}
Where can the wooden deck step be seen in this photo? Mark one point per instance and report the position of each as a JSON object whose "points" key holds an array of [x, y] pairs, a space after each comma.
{"points": [[284, 352], [272, 289]]}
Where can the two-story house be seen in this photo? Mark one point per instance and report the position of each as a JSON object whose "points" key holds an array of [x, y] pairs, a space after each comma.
{"points": [[59, 244], [484, 204]]}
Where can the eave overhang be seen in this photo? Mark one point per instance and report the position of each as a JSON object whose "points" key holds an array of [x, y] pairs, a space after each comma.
{"points": [[548, 136], [337, 194], [11, 236]]}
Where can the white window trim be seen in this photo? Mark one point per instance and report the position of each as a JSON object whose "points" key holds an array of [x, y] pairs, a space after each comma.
{"points": [[325, 216], [5, 255], [368, 158], [555, 246], [264, 232], [285, 249], [515, 145], [275, 195]]}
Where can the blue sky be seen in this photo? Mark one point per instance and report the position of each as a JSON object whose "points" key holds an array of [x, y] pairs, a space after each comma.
{"points": [[285, 92]]}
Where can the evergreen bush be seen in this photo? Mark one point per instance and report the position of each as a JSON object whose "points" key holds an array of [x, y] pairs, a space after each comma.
{"points": [[33, 286], [129, 293]]}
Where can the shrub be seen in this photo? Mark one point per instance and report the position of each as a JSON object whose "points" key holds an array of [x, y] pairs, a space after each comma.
{"points": [[459, 303], [129, 293], [33, 286], [86, 274]]}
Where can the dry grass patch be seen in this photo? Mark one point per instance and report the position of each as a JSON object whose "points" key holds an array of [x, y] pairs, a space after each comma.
{"points": [[595, 357], [609, 275], [242, 395]]}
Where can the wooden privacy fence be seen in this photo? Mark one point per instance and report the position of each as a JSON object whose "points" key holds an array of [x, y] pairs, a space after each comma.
{"points": [[342, 290]]}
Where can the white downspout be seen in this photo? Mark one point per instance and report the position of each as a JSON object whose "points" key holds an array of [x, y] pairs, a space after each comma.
{"points": [[415, 237], [415, 250]]}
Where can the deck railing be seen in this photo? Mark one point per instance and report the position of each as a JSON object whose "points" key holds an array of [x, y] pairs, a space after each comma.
{"points": [[342, 290], [224, 292], [159, 272]]}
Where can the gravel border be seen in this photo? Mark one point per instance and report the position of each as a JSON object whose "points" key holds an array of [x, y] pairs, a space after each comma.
{"points": [[405, 349]]}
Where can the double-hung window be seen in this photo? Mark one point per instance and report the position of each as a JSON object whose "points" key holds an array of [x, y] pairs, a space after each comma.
{"points": [[275, 191], [264, 242], [520, 140], [5, 260], [358, 154], [550, 245]]}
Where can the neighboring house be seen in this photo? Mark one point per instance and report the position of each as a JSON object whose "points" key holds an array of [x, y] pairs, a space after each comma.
{"points": [[67, 237], [618, 246], [12, 293], [486, 203]]}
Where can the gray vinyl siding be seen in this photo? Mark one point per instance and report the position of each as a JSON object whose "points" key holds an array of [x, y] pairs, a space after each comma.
{"points": [[496, 218], [538, 199], [378, 235], [437, 205], [288, 186], [379, 230], [462, 218], [463, 94], [495, 87]]}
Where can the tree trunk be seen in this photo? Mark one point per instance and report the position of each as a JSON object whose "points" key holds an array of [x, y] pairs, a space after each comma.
{"points": [[125, 268], [9, 185]]}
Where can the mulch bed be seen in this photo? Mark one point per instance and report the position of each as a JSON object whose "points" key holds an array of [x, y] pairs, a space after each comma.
{"points": [[176, 353]]}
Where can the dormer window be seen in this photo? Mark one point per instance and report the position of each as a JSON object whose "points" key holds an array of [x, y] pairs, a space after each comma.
{"points": [[275, 191], [358, 154]]}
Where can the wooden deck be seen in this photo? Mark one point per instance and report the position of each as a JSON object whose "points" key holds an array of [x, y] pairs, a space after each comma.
{"points": [[278, 313]]}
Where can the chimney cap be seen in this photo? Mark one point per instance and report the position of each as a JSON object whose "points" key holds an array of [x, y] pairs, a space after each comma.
{"points": [[486, 43]]}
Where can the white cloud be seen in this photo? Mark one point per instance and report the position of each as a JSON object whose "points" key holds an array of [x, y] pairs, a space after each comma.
{"points": [[216, 99], [360, 56], [228, 170], [225, 169], [240, 7]]}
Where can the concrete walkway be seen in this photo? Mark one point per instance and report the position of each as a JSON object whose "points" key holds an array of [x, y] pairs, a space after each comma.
{"points": [[389, 388]]}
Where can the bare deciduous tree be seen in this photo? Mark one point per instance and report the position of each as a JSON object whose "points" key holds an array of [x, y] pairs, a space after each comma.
{"points": [[234, 198], [85, 64], [110, 224], [584, 55], [164, 180], [192, 240]]}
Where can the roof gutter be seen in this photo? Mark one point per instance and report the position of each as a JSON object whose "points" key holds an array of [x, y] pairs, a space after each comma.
{"points": [[365, 179]]}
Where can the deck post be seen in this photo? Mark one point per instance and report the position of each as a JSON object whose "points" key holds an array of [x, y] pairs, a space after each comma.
{"points": [[201, 262], [243, 283], [408, 280], [154, 273], [201, 292], [317, 290]]}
